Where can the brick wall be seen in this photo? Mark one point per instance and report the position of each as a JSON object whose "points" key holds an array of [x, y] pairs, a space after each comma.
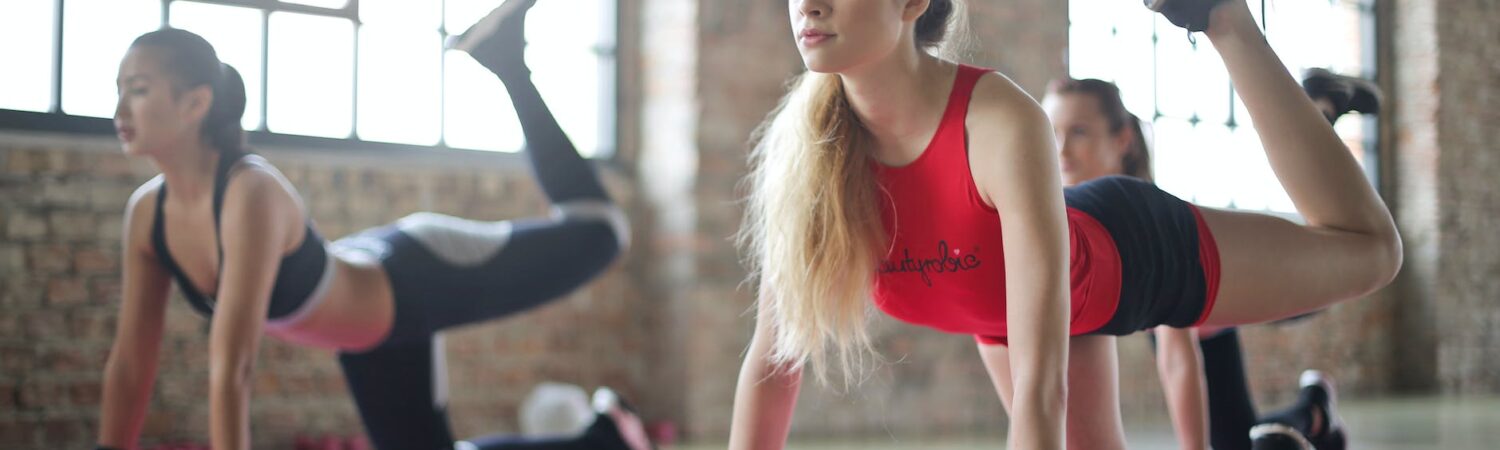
{"points": [[1448, 86], [59, 290], [670, 323]]}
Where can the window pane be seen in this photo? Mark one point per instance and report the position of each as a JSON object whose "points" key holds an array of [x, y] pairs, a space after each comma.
{"points": [[96, 34], [476, 108], [311, 85], [236, 35], [27, 28], [424, 14], [567, 65], [1175, 70], [399, 81], [567, 68], [331, 4]]}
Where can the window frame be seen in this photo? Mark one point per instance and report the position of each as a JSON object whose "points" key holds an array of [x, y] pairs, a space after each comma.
{"points": [[1370, 27], [58, 121]]}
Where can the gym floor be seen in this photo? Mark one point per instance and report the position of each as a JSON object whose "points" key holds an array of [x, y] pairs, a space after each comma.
{"points": [[1424, 423]]}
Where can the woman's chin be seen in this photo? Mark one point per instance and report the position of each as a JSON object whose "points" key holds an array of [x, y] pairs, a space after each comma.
{"points": [[822, 65]]}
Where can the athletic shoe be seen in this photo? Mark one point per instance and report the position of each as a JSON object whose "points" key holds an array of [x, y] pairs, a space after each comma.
{"points": [[498, 41], [1275, 436], [1189, 14], [1347, 94]]}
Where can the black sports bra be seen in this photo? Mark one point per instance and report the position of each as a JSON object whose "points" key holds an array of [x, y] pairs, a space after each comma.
{"points": [[302, 278]]}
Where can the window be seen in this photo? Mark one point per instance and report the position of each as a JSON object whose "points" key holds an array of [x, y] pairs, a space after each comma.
{"points": [[348, 73], [1204, 148]]}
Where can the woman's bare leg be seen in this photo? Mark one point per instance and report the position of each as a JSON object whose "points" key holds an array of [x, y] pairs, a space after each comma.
{"points": [[1273, 268]]}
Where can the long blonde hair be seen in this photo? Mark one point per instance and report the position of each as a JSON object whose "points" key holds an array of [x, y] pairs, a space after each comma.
{"points": [[812, 232]]}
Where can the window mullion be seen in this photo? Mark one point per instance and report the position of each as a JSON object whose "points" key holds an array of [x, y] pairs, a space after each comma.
{"points": [[57, 57], [265, 68]]}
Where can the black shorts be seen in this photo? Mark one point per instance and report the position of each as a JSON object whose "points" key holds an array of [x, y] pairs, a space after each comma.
{"points": [[1164, 250]]}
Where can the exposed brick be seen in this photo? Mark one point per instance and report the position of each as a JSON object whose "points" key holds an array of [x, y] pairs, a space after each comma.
{"points": [[44, 324], [67, 193], [12, 258], [23, 225], [9, 394], [86, 393], [90, 261], [66, 291], [64, 358], [93, 325], [21, 291], [111, 229], [39, 394], [25, 161], [72, 226], [109, 196], [105, 290], [16, 434], [45, 259], [63, 431], [115, 166]]}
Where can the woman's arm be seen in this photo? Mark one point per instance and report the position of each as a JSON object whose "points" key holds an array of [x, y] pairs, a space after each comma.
{"points": [[1180, 365], [765, 396], [260, 217], [131, 369], [1014, 163]]}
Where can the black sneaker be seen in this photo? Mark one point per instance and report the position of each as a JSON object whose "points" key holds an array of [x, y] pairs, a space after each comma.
{"points": [[1189, 14], [1347, 94], [498, 41], [1275, 436], [1314, 415], [1318, 393]]}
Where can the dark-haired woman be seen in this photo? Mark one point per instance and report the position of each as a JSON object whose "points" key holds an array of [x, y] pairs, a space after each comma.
{"points": [[933, 188], [233, 234]]}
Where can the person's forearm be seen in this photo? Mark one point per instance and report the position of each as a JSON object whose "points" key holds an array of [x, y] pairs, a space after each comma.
{"points": [[229, 417], [763, 404], [1039, 368], [1039, 412], [122, 412]]}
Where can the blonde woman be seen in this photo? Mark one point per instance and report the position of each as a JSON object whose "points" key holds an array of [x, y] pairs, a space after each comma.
{"points": [[932, 187]]}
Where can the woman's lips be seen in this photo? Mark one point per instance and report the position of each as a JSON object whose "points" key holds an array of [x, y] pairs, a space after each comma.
{"points": [[811, 36]]}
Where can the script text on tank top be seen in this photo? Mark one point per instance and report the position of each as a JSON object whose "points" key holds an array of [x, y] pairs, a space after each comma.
{"points": [[946, 261]]}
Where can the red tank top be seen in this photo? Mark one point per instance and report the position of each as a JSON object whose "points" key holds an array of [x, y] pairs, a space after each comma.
{"points": [[945, 268]]}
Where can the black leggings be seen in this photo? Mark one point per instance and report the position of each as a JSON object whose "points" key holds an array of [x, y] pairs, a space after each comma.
{"points": [[1231, 410], [446, 272]]}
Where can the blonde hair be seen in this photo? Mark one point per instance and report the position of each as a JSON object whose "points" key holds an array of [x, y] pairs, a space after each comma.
{"points": [[812, 231]]}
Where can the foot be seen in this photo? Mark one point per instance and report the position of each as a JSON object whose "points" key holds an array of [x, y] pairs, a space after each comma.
{"points": [[627, 423], [1190, 14], [1344, 93], [1327, 430], [498, 41], [1275, 436]]}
